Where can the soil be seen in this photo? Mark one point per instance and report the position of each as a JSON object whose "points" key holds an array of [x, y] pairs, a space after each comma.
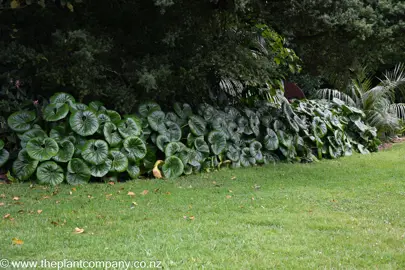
{"points": [[388, 145]]}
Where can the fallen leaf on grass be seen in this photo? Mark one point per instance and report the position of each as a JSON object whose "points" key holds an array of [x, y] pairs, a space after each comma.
{"points": [[144, 192], [133, 204], [17, 241], [39, 211], [78, 230], [89, 196], [111, 183], [20, 211], [1, 203], [2, 196], [192, 217], [6, 216], [70, 192], [130, 193], [74, 189], [45, 197], [230, 191], [168, 193], [228, 196], [57, 202], [253, 198], [156, 190], [189, 218], [16, 198], [233, 178]]}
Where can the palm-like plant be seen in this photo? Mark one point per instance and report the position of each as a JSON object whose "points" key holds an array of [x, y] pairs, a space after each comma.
{"points": [[378, 102]]}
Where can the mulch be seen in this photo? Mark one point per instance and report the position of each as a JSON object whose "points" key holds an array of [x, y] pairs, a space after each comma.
{"points": [[388, 145]]}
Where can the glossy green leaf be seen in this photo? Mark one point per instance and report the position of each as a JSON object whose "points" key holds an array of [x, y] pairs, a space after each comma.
{"points": [[183, 111], [172, 148], [271, 140], [4, 156], [218, 142], [21, 121], [119, 161], [201, 146], [197, 125], [173, 167], [319, 127], [173, 131], [50, 173], [233, 153], [255, 150], [55, 112], [75, 107], [156, 120], [24, 166], [84, 123], [102, 169], [133, 170], [111, 134], [130, 126], [161, 142], [146, 108], [62, 98], [78, 173], [95, 152], [42, 148], [31, 134], [114, 116], [136, 148], [66, 151]]}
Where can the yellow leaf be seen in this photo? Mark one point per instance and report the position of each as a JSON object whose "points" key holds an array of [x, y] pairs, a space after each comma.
{"points": [[156, 172], [39, 211], [17, 241], [14, 4], [78, 230], [70, 7], [192, 217]]}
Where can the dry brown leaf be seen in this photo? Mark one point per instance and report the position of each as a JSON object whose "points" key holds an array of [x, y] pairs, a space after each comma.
{"points": [[144, 192], [130, 193], [17, 241], [78, 230], [2, 195], [16, 198], [111, 183], [20, 211], [253, 198], [54, 223], [192, 217], [57, 202], [6, 216], [45, 197], [233, 178], [74, 189], [39, 211], [1, 203], [168, 193], [228, 196]]}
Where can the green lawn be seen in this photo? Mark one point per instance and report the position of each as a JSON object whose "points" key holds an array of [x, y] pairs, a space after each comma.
{"points": [[342, 214]]}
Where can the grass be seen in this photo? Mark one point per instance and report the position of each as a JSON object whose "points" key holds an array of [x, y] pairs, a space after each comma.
{"points": [[335, 214]]}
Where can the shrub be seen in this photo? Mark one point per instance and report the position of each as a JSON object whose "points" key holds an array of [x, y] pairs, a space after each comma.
{"points": [[74, 142]]}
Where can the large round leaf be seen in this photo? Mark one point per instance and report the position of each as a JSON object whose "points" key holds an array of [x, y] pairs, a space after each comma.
{"points": [[78, 172], [4, 155], [55, 112], [84, 123], [119, 161], [246, 159], [234, 132], [285, 138], [254, 124], [131, 126], [101, 170], [255, 150], [74, 107], [150, 158], [197, 125], [161, 142], [136, 148], [50, 173], [156, 120], [173, 167], [31, 134], [114, 116], [97, 106], [57, 133], [201, 146], [102, 119], [173, 131], [24, 166], [111, 134], [218, 142], [183, 111], [271, 140], [42, 148], [233, 153], [146, 108], [172, 148], [66, 151], [95, 151], [21, 121], [133, 170], [319, 127], [62, 98]]}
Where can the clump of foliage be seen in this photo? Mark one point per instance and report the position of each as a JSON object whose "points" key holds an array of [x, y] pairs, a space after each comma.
{"points": [[74, 142], [377, 101]]}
